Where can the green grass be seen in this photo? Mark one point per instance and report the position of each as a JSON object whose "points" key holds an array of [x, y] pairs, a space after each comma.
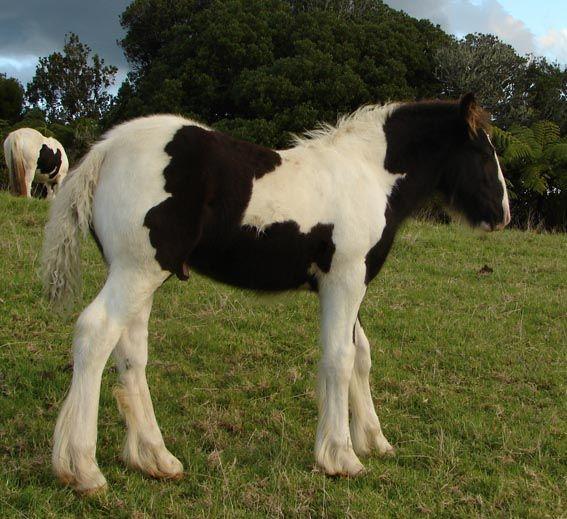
{"points": [[469, 379]]}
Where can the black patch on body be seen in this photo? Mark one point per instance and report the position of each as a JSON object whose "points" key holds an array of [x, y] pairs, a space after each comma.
{"points": [[430, 143], [210, 179], [49, 161]]}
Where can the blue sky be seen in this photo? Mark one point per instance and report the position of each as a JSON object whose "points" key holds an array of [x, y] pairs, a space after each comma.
{"points": [[33, 28], [540, 16]]}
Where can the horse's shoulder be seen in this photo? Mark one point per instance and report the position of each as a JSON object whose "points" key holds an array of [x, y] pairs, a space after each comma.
{"points": [[219, 152]]}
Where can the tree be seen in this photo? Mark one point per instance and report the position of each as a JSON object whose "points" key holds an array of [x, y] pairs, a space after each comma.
{"points": [[482, 64], [514, 89], [67, 87], [261, 69], [546, 91], [150, 25], [11, 98], [342, 7]]}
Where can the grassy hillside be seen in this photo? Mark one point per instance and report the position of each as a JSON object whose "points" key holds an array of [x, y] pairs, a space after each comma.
{"points": [[469, 378]]}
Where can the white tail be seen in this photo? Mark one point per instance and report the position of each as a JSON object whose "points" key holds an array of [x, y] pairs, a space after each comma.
{"points": [[69, 217], [16, 167]]}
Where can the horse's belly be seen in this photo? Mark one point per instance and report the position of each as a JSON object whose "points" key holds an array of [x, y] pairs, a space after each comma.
{"points": [[278, 258]]}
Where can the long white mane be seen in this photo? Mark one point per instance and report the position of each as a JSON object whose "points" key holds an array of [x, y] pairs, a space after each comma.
{"points": [[362, 124]]}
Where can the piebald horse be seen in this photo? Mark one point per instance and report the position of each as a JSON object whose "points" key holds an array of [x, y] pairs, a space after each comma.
{"points": [[32, 156], [164, 195]]}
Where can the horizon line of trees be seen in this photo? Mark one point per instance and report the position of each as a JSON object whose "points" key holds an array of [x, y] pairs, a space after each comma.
{"points": [[262, 69]]}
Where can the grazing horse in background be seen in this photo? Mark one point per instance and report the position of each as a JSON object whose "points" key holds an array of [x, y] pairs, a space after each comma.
{"points": [[163, 195], [30, 155]]}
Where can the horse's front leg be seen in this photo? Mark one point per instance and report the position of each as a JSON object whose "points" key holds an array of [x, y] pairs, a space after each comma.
{"points": [[341, 292], [365, 427], [50, 192]]}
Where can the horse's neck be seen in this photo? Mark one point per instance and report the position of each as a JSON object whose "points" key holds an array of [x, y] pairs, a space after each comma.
{"points": [[418, 139]]}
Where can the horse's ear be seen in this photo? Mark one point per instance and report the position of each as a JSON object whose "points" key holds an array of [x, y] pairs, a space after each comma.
{"points": [[470, 113]]}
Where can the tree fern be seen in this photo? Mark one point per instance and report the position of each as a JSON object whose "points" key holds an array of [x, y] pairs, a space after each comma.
{"points": [[546, 132], [557, 154], [535, 160]]}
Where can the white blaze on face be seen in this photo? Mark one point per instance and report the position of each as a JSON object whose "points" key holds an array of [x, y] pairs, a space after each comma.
{"points": [[505, 201]]}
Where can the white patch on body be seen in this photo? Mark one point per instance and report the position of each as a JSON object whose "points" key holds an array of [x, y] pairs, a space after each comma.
{"points": [[336, 177]]}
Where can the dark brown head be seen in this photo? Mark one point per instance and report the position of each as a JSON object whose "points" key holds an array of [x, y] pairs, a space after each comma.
{"points": [[472, 181]]}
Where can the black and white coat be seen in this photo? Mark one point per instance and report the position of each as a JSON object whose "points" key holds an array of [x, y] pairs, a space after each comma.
{"points": [[31, 156], [164, 195]]}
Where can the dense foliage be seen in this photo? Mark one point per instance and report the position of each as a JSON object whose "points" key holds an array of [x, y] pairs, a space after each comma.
{"points": [[11, 98], [482, 64], [535, 161], [262, 69]]}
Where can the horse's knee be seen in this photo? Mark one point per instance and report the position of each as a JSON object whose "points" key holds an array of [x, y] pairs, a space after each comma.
{"points": [[96, 333], [338, 364]]}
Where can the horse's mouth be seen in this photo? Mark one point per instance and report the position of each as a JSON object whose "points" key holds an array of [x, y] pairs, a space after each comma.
{"points": [[490, 227]]}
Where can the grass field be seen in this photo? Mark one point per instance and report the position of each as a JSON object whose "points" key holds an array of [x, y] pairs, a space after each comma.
{"points": [[469, 378]]}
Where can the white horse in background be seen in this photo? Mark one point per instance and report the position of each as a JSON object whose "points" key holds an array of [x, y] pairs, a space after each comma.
{"points": [[32, 156]]}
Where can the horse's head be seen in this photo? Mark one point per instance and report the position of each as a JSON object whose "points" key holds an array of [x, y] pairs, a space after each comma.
{"points": [[473, 183], [49, 161]]}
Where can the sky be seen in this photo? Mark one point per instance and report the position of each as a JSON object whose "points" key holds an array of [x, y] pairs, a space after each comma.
{"points": [[33, 28], [530, 26]]}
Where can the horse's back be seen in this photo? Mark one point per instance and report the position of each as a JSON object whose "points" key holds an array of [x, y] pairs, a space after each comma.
{"points": [[27, 142]]}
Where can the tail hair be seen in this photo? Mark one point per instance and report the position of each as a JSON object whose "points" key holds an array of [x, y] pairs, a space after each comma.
{"points": [[69, 218], [17, 169]]}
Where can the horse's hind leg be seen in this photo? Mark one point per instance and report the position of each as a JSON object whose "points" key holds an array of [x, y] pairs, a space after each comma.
{"points": [[97, 331], [365, 429], [144, 448], [29, 176]]}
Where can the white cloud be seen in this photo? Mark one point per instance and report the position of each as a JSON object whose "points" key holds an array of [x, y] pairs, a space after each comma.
{"points": [[21, 67], [18, 62], [554, 44], [461, 17]]}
